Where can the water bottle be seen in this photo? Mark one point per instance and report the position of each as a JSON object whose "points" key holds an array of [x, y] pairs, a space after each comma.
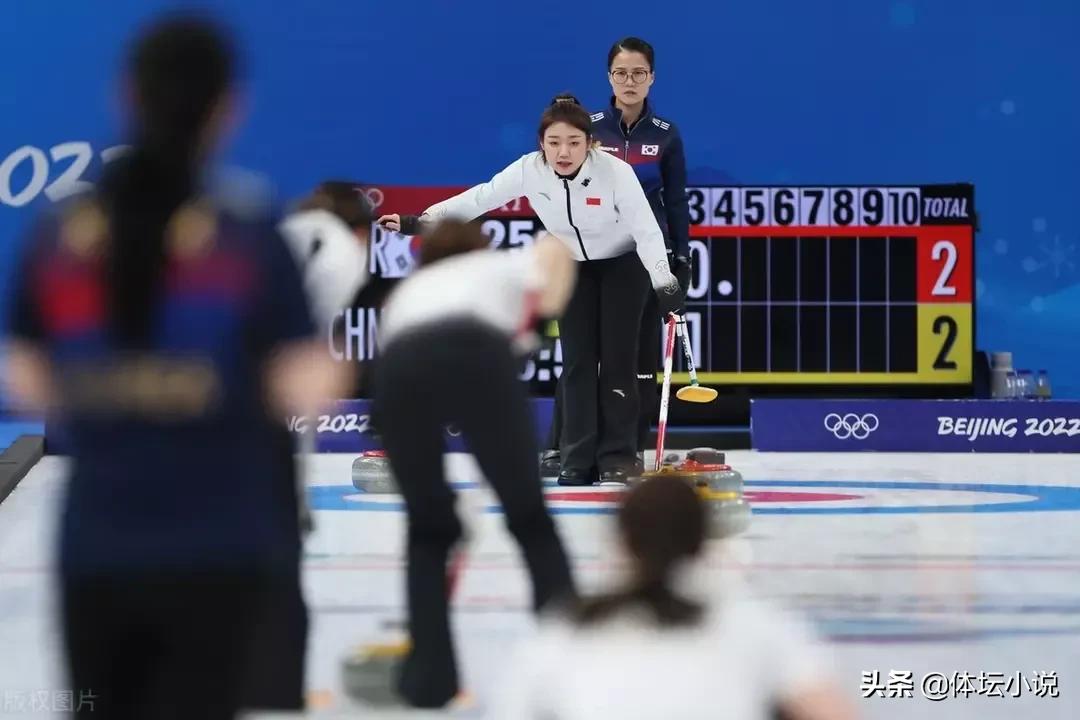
{"points": [[1000, 365], [1026, 385], [1042, 385], [1011, 383]]}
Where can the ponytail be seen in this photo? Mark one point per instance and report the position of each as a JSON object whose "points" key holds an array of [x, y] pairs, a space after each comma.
{"points": [[180, 71], [668, 608]]}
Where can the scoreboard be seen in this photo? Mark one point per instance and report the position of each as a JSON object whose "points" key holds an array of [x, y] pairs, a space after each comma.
{"points": [[815, 286], [832, 285]]}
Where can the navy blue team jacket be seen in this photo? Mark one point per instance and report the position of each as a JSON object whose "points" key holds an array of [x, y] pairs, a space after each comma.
{"points": [[212, 488], [654, 148]]}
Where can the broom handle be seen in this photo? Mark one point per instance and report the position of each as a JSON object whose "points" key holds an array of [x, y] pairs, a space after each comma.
{"points": [[665, 393], [684, 332]]}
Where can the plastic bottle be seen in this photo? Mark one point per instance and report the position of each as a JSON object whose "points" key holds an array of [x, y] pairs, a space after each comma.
{"points": [[1026, 385], [1011, 383], [1042, 385], [1000, 365]]}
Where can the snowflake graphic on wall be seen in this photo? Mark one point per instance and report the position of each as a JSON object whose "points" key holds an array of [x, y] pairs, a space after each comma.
{"points": [[1056, 255]]}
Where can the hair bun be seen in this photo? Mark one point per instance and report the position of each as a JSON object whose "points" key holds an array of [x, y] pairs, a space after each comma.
{"points": [[565, 98]]}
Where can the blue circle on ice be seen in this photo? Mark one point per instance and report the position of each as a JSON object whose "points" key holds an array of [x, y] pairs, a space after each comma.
{"points": [[1043, 498]]}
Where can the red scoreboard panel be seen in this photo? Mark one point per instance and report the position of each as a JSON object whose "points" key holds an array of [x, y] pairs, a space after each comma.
{"points": [[832, 285], [795, 286]]}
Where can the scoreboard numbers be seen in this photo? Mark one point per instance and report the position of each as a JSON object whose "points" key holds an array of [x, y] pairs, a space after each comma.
{"points": [[783, 206], [833, 285], [804, 206], [944, 339], [697, 199], [947, 250], [756, 207], [699, 279], [824, 286], [814, 207], [843, 204]]}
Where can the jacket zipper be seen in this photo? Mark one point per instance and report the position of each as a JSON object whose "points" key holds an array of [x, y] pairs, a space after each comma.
{"points": [[627, 134], [570, 217]]}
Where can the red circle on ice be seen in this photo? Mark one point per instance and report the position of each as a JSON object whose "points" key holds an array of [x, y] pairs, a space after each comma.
{"points": [[758, 496]]}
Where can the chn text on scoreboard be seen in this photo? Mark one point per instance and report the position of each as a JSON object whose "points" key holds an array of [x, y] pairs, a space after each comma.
{"points": [[832, 285]]}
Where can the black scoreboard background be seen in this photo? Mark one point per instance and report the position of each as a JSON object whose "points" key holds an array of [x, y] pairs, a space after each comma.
{"points": [[825, 290]]}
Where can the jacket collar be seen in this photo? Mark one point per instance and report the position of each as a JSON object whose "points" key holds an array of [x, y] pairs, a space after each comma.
{"points": [[616, 113], [584, 172]]}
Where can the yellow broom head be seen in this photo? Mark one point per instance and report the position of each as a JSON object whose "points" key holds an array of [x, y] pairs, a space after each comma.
{"points": [[696, 394]]}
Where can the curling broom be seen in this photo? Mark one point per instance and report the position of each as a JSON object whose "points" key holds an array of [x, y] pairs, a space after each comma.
{"points": [[694, 392]]}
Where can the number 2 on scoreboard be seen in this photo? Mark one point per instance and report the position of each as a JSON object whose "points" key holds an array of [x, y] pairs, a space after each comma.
{"points": [[946, 324], [947, 249], [944, 342], [945, 266]]}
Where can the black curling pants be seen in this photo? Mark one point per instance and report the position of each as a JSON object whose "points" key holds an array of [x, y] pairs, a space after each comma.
{"points": [[599, 332], [648, 390], [174, 644], [459, 373]]}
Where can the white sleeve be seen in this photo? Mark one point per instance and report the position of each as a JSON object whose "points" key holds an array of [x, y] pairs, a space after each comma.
{"points": [[331, 258], [632, 204], [508, 185]]}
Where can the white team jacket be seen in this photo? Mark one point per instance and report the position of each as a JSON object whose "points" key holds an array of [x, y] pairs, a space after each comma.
{"points": [[601, 213], [331, 258]]}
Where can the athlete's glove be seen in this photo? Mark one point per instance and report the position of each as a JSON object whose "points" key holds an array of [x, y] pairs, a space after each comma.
{"points": [[670, 298], [682, 269]]}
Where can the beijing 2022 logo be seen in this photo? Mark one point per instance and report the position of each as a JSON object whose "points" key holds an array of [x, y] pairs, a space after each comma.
{"points": [[851, 425]]}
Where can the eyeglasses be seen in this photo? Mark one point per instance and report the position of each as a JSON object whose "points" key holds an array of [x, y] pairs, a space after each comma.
{"points": [[639, 76]]}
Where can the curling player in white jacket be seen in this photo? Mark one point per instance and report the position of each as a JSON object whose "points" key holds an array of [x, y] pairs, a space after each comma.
{"points": [[594, 203], [450, 342], [329, 233]]}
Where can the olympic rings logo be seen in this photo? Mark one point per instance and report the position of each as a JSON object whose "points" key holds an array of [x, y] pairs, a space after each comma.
{"points": [[851, 425], [374, 196]]}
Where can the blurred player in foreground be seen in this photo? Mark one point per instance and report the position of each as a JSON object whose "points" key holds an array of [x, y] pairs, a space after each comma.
{"points": [[329, 235], [650, 651], [450, 341], [167, 334]]}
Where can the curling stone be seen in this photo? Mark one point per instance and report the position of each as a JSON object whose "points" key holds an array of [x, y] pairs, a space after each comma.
{"points": [[717, 477], [728, 517], [706, 456], [721, 488], [371, 473], [370, 674]]}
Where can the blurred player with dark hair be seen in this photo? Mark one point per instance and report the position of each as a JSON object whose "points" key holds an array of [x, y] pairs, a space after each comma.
{"points": [[329, 234], [166, 331], [652, 650], [450, 341]]}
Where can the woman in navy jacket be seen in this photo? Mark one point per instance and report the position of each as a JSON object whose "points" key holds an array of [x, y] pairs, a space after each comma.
{"points": [[630, 130]]}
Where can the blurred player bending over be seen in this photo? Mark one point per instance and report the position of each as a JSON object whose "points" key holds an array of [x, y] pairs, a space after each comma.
{"points": [[651, 650], [329, 234], [168, 334], [451, 335]]}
